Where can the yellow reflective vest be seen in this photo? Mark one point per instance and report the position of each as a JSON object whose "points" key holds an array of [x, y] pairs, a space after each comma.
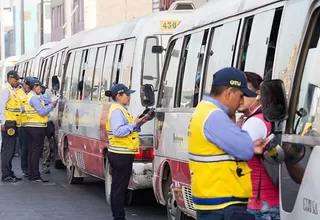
{"points": [[33, 118], [12, 111], [23, 101], [122, 145], [215, 183]]}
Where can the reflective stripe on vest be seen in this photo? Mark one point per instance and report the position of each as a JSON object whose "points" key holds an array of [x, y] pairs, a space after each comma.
{"points": [[211, 158], [33, 118], [122, 145], [12, 109], [215, 179]]}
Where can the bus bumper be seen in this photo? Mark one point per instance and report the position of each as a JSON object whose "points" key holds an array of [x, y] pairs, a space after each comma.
{"points": [[141, 177]]}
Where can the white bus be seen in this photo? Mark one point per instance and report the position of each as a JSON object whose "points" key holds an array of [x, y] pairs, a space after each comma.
{"points": [[274, 38], [5, 66], [29, 63], [92, 61]]}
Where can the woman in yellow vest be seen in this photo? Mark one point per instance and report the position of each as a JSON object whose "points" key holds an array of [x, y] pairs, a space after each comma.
{"points": [[123, 145], [37, 118]]}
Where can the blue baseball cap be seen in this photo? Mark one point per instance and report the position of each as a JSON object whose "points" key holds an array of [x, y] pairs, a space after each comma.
{"points": [[35, 82], [232, 77], [28, 79], [120, 88], [13, 74]]}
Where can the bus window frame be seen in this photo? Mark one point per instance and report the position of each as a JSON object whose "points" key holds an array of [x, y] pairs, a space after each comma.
{"points": [[156, 87]]}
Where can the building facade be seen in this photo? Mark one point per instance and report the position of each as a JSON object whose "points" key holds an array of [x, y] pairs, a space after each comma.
{"points": [[71, 16]]}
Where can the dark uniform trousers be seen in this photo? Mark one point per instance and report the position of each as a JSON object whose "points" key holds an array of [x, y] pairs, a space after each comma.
{"points": [[35, 149], [23, 141], [121, 169], [7, 153]]}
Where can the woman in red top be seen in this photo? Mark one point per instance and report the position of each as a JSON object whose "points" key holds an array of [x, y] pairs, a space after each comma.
{"points": [[264, 203]]}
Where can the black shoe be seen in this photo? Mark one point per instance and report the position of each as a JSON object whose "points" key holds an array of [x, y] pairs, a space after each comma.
{"points": [[17, 178], [9, 179], [40, 180], [25, 174]]}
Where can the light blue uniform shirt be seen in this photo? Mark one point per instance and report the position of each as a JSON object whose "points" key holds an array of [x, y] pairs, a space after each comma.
{"points": [[35, 102], [220, 130], [120, 125]]}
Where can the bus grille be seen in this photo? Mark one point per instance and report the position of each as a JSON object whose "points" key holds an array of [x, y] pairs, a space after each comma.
{"points": [[187, 197]]}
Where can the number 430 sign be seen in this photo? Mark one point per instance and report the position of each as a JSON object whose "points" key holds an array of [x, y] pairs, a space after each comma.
{"points": [[169, 25]]}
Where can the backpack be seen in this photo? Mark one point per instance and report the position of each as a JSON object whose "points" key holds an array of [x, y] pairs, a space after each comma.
{"points": [[271, 169]]}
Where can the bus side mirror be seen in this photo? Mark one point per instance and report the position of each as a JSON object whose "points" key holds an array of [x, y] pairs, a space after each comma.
{"points": [[55, 83], [157, 49], [273, 100], [147, 95]]}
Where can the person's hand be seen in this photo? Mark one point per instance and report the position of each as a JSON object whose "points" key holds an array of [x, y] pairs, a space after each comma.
{"points": [[54, 103], [260, 146], [241, 121], [3, 128], [142, 120]]}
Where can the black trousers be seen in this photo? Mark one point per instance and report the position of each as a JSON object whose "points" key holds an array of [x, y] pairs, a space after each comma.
{"points": [[23, 141], [35, 149], [121, 169], [7, 153]]}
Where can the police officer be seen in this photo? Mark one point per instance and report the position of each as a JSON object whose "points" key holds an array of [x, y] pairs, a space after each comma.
{"points": [[10, 113], [23, 137], [219, 149], [123, 145], [37, 118]]}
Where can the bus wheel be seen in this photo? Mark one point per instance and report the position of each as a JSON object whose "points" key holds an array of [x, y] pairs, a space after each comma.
{"points": [[71, 170], [173, 210], [107, 181], [57, 163]]}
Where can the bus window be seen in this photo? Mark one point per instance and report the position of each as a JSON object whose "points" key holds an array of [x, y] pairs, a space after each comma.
{"points": [[97, 74], [42, 69], [117, 64], [259, 41], [127, 61], [76, 84], [47, 71], [170, 74], [222, 50], [61, 66], [56, 71], [306, 97], [66, 81], [107, 71], [51, 71], [29, 70], [150, 63], [190, 75], [88, 76], [244, 42], [272, 44]]}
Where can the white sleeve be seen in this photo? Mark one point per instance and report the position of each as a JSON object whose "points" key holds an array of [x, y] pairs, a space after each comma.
{"points": [[256, 128]]}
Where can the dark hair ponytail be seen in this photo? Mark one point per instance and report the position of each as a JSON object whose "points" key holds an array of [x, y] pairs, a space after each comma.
{"points": [[255, 79], [108, 93]]}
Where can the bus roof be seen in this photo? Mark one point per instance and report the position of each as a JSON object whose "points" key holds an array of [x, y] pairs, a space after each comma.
{"points": [[216, 10], [12, 59], [34, 53], [147, 25]]}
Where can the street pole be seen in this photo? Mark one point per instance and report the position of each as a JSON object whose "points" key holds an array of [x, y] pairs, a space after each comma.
{"points": [[3, 46], [41, 23], [22, 25]]}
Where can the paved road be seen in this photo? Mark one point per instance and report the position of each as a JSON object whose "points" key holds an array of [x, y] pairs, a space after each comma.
{"points": [[57, 200]]}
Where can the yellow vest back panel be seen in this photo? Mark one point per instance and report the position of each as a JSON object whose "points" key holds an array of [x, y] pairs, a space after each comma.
{"points": [[23, 101]]}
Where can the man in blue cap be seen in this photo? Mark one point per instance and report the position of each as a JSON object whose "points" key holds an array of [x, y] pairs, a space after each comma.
{"points": [[10, 113], [37, 118], [219, 149]]}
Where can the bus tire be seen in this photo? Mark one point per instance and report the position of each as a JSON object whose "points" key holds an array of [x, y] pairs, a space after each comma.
{"points": [[57, 163], [71, 170], [173, 210], [107, 181]]}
